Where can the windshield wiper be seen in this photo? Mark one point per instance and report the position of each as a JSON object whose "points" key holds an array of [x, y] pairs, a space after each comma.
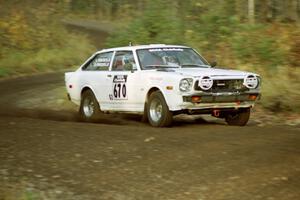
{"points": [[193, 65], [160, 66]]}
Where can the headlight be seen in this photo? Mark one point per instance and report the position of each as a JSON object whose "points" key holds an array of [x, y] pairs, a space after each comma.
{"points": [[185, 84], [251, 81], [205, 83]]}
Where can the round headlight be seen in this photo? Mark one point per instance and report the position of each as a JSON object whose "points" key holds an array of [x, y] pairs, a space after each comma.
{"points": [[206, 82], [185, 85], [251, 81]]}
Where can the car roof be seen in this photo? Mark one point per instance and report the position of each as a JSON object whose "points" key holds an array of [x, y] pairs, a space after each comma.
{"points": [[136, 47]]}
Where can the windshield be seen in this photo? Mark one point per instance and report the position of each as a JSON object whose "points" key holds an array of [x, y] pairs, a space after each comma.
{"points": [[170, 58]]}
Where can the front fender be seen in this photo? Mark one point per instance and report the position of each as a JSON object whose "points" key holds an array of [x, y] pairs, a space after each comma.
{"points": [[171, 96]]}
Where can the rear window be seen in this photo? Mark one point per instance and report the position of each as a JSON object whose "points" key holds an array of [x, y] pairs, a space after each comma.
{"points": [[100, 62]]}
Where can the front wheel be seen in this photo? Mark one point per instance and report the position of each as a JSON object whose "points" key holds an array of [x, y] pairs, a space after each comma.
{"points": [[239, 118], [158, 111], [89, 107]]}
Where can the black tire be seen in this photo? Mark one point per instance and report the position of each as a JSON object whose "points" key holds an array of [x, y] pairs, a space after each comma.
{"points": [[158, 111], [89, 108], [239, 118], [144, 118]]}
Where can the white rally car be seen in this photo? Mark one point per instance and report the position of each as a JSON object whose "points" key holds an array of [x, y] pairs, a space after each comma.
{"points": [[160, 81]]}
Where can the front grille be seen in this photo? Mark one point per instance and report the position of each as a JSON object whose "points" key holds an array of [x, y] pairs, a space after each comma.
{"points": [[234, 85]]}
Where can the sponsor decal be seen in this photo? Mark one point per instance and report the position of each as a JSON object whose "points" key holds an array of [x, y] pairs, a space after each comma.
{"points": [[104, 62], [165, 49]]}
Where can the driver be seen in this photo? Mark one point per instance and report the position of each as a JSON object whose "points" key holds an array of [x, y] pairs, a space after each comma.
{"points": [[171, 60]]}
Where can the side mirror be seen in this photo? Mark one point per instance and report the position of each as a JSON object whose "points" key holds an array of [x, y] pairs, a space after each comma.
{"points": [[213, 63]]}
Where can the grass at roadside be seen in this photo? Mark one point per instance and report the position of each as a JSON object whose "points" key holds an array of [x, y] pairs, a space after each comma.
{"points": [[25, 190], [280, 88], [74, 51], [33, 39]]}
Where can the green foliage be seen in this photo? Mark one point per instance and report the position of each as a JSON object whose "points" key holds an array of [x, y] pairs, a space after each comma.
{"points": [[82, 6], [28, 195], [4, 72], [253, 44], [158, 24], [34, 40], [219, 34], [211, 32]]}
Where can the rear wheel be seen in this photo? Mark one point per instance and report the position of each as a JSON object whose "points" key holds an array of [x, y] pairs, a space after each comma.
{"points": [[239, 118], [89, 107], [158, 111]]}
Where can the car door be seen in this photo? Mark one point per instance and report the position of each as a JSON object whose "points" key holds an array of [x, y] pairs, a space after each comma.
{"points": [[125, 83], [95, 75]]}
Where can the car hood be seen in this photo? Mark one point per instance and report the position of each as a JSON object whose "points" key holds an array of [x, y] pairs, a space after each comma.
{"points": [[213, 72]]}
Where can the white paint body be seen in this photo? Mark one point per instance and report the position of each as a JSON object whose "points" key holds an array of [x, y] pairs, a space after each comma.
{"points": [[140, 82]]}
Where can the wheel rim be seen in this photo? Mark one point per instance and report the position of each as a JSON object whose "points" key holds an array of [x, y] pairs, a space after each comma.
{"points": [[156, 110], [88, 107]]}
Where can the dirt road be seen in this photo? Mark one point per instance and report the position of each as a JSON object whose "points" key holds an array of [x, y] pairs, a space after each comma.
{"points": [[46, 153]]}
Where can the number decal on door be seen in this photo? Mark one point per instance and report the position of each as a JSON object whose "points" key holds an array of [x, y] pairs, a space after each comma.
{"points": [[120, 90], [119, 87]]}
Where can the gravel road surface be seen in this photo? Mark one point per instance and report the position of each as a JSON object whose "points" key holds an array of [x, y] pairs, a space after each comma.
{"points": [[47, 153]]}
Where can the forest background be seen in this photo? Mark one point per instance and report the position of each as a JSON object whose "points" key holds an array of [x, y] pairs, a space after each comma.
{"points": [[255, 35]]}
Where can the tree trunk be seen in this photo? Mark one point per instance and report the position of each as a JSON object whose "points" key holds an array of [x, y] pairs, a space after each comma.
{"points": [[251, 11], [293, 11], [266, 10], [298, 8]]}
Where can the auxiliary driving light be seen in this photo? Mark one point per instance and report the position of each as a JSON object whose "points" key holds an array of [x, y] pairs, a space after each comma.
{"points": [[196, 99], [252, 97], [205, 83], [251, 81]]}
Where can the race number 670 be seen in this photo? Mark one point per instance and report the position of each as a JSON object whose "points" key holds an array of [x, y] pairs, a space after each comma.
{"points": [[120, 90]]}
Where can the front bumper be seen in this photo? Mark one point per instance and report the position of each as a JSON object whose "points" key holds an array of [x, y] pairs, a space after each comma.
{"points": [[219, 100], [221, 97], [223, 105], [212, 101]]}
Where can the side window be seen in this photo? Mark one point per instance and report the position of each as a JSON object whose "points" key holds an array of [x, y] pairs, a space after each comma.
{"points": [[100, 62], [124, 61]]}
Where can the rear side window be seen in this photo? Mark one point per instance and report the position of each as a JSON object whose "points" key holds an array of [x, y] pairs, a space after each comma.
{"points": [[100, 62]]}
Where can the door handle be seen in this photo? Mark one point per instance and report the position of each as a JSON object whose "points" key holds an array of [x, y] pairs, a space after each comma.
{"points": [[109, 75]]}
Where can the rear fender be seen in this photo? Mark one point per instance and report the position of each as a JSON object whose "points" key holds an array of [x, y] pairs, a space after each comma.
{"points": [[88, 87]]}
